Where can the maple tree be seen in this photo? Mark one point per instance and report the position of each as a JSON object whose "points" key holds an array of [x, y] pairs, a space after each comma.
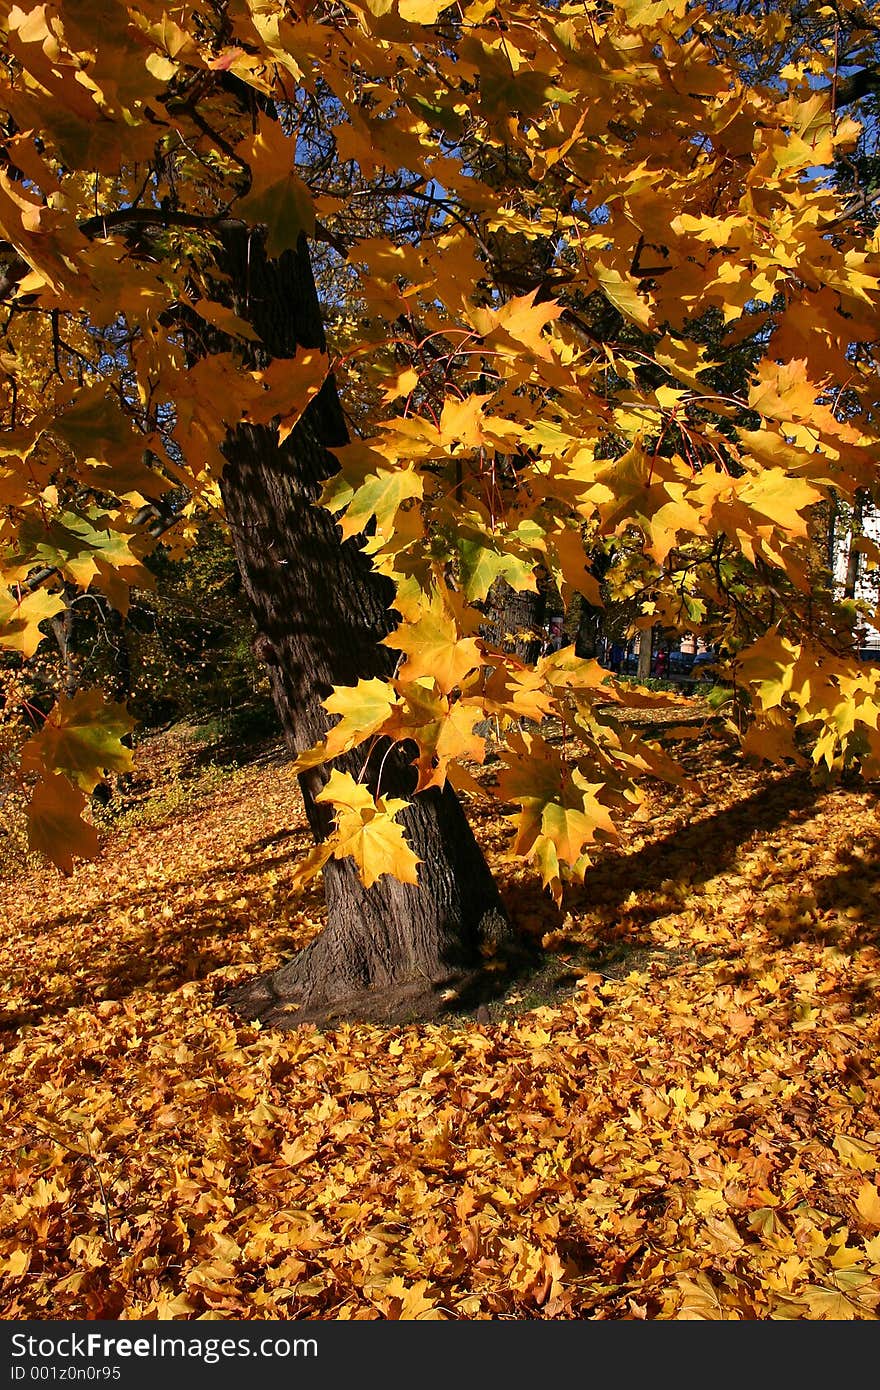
{"points": [[569, 193]]}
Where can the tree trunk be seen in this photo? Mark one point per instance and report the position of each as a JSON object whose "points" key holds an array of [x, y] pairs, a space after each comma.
{"points": [[589, 629], [646, 648], [851, 580], [120, 656], [392, 951], [515, 620], [64, 630]]}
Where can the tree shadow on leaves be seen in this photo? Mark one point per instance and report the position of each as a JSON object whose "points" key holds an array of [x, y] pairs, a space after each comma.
{"points": [[691, 854]]}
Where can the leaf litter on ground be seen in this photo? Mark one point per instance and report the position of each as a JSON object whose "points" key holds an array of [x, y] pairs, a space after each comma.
{"points": [[676, 1118]]}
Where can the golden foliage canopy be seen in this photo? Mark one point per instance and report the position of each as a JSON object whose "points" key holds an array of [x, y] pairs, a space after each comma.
{"points": [[581, 213]]}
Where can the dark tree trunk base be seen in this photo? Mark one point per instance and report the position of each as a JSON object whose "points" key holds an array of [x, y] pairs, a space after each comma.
{"points": [[397, 952], [416, 1001], [301, 991]]}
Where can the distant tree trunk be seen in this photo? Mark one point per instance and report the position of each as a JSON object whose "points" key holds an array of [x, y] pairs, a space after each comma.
{"points": [[850, 583], [646, 647], [592, 620], [515, 619], [320, 611], [63, 626], [589, 629], [831, 533], [119, 654]]}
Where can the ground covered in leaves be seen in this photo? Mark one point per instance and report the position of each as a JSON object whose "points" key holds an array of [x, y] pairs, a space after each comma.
{"points": [[679, 1119]]}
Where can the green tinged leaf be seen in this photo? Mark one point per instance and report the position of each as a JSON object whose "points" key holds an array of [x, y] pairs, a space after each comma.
{"points": [[82, 738], [482, 563]]}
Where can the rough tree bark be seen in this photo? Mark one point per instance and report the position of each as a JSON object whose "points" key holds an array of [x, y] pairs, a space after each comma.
{"points": [[63, 626], [393, 951], [646, 651], [515, 620], [589, 629], [857, 530]]}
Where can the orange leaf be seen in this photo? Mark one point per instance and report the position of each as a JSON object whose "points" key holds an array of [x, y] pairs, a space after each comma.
{"points": [[55, 824]]}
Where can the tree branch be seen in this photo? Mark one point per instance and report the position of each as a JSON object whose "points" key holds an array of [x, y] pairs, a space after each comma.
{"points": [[134, 218], [853, 88]]}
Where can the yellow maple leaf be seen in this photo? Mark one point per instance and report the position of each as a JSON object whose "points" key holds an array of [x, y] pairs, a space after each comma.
{"points": [[15, 1264], [700, 1301], [421, 11], [622, 292], [226, 319], [290, 384], [868, 1204], [768, 665], [461, 421], [369, 485], [559, 807], [404, 383], [433, 648], [82, 737], [442, 729], [363, 709], [518, 693], [518, 324], [777, 495], [21, 615], [278, 199], [784, 391], [568, 828], [771, 737], [366, 830], [575, 565], [830, 1304]]}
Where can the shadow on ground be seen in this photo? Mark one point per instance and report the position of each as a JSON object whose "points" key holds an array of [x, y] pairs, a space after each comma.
{"points": [[207, 934]]}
